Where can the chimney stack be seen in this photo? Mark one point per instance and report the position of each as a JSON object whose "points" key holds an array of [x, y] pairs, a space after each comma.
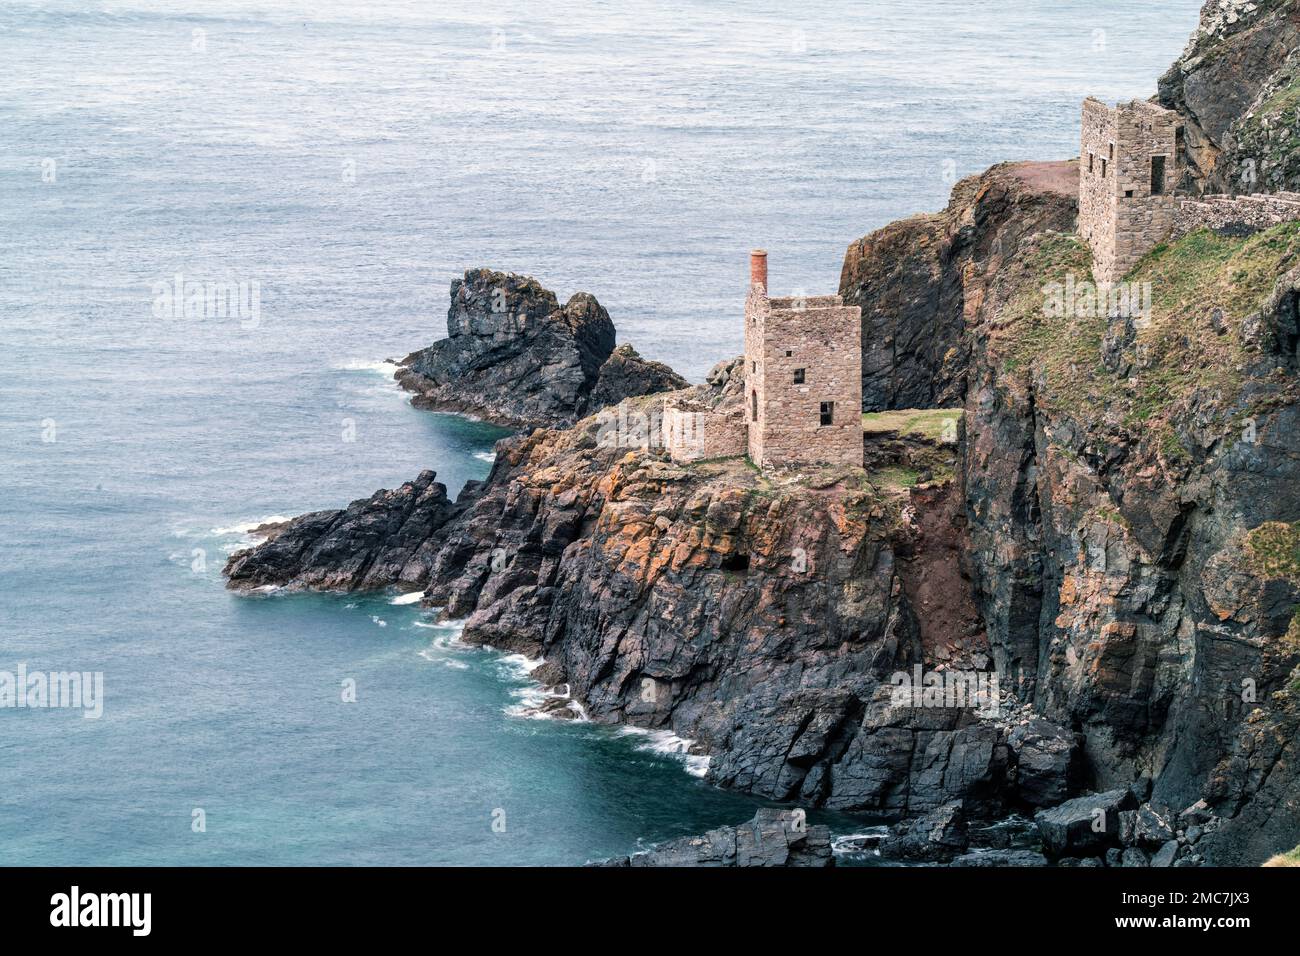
{"points": [[758, 270]]}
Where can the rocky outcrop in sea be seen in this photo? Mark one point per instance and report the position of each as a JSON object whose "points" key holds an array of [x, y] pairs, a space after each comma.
{"points": [[773, 838], [514, 356]]}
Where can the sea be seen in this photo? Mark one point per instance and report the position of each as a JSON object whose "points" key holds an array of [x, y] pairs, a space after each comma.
{"points": [[329, 168]]}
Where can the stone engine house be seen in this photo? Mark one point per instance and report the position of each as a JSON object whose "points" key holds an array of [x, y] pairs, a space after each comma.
{"points": [[1128, 171], [803, 376]]}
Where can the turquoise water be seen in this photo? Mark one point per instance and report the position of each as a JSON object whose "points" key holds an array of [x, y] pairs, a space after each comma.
{"points": [[350, 160]]}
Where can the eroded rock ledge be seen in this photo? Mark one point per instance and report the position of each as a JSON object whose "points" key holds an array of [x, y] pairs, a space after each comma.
{"points": [[514, 356], [772, 838]]}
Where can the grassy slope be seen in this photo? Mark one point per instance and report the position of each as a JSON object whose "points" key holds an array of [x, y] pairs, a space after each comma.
{"points": [[1179, 354]]}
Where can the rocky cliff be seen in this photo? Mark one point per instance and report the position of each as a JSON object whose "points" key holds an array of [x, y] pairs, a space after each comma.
{"points": [[908, 279], [760, 616], [1110, 528], [1238, 90], [515, 357]]}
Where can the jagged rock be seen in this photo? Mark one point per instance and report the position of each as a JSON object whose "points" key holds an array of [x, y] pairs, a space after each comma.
{"points": [[375, 542], [1240, 57], [514, 356], [1080, 861], [1151, 828], [1046, 768], [1132, 856], [1166, 855], [999, 858], [1084, 824], [668, 597], [772, 838], [1128, 827], [939, 834], [908, 278], [626, 374]]}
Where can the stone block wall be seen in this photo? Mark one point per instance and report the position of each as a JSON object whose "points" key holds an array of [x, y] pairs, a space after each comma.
{"points": [[1126, 203], [691, 434], [1235, 212], [1097, 196], [803, 355]]}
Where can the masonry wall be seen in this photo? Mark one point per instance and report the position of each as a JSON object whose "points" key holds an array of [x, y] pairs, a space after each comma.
{"points": [[725, 436], [1120, 215], [757, 309], [823, 337], [1144, 218], [1235, 212], [1097, 195], [691, 435]]}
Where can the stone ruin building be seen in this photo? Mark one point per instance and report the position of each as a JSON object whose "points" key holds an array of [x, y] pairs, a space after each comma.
{"points": [[803, 386], [1128, 174]]}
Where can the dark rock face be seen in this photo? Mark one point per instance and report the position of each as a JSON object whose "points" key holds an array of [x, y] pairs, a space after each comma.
{"points": [[907, 279], [936, 836], [757, 616], [1046, 767], [1000, 858], [1227, 87], [772, 838], [625, 374], [373, 543], [515, 357], [1084, 825]]}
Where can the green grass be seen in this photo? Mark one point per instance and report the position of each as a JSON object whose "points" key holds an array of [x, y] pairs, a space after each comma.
{"points": [[1181, 354], [1274, 550], [896, 478], [1273, 553], [929, 423]]}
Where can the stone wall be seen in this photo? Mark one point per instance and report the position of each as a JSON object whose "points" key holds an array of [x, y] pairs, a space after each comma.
{"points": [[691, 434], [1097, 196], [1126, 207], [817, 339], [1235, 212]]}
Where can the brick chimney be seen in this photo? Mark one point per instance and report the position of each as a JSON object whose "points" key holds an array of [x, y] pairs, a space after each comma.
{"points": [[758, 270]]}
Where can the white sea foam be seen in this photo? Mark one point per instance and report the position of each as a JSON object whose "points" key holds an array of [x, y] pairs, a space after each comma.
{"points": [[245, 527], [378, 620], [668, 744], [533, 696], [858, 845], [447, 640], [522, 665], [385, 367], [487, 456], [412, 598]]}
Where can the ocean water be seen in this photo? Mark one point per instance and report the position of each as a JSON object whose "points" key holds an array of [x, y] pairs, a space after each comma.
{"points": [[338, 164]]}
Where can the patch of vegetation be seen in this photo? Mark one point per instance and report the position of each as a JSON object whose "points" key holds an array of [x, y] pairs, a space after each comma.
{"points": [[1274, 550], [1284, 100], [1112, 515], [1173, 350], [1290, 858], [934, 424], [1273, 553], [896, 478]]}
